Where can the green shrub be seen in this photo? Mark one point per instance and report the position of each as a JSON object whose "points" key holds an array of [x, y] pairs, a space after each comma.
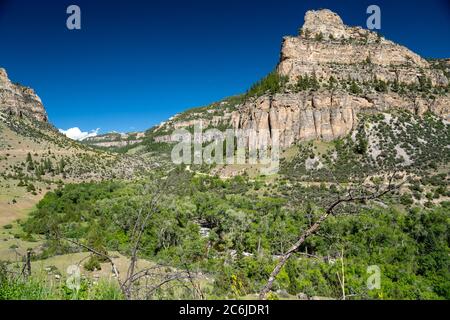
{"points": [[272, 83], [354, 88], [93, 264], [406, 199], [318, 36]]}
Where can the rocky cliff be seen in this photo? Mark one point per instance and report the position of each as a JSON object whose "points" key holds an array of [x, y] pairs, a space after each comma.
{"points": [[327, 48], [323, 116], [18, 100], [115, 140], [352, 71]]}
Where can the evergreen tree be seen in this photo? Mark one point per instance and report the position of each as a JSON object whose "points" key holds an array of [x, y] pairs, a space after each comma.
{"points": [[29, 158], [319, 36], [30, 163], [354, 88], [62, 165]]}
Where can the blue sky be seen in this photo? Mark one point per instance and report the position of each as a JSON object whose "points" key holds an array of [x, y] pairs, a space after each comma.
{"points": [[136, 63]]}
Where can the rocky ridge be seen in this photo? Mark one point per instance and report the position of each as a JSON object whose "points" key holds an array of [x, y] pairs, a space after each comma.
{"points": [[326, 47], [115, 140], [19, 100], [323, 115], [327, 50]]}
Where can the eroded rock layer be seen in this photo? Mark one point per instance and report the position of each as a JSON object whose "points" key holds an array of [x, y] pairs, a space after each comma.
{"points": [[327, 49], [18, 100]]}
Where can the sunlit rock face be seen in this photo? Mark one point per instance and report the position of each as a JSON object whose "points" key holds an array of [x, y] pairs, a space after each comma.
{"points": [[327, 48], [18, 100], [344, 52]]}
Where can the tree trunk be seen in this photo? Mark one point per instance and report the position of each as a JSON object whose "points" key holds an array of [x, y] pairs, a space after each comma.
{"points": [[288, 254]]}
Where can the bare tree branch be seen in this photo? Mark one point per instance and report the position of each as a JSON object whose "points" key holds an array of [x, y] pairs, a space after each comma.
{"points": [[101, 254], [351, 197]]}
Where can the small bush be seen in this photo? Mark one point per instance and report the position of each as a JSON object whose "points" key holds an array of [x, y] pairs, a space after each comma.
{"points": [[92, 264]]}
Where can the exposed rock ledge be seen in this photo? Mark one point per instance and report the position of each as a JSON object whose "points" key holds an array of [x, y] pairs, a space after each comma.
{"points": [[19, 100], [320, 115]]}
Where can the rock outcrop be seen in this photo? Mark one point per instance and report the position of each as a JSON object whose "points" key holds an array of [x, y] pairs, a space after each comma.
{"points": [[325, 49], [328, 50], [18, 100], [321, 115], [115, 140]]}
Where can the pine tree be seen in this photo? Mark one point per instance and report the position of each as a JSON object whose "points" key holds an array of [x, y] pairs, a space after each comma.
{"points": [[332, 83], [30, 163], [48, 166], [319, 36], [62, 165], [354, 88], [380, 86], [314, 83]]}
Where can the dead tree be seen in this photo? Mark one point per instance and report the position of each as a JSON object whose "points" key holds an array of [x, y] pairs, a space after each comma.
{"points": [[144, 215], [26, 269], [28, 262], [96, 252], [363, 196]]}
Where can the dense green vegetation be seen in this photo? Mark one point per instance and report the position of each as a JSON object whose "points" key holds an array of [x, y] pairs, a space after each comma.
{"points": [[248, 224], [233, 230], [272, 83]]}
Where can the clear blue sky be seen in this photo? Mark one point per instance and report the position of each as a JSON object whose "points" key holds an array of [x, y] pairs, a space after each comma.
{"points": [[136, 63]]}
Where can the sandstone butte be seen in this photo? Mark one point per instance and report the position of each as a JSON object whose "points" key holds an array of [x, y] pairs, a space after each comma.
{"points": [[342, 54]]}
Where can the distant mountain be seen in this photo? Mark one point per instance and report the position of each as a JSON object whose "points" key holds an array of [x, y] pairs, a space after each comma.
{"points": [[31, 148], [115, 140]]}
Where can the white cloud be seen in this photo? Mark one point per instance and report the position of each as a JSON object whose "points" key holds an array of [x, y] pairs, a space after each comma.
{"points": [[76, 134]]}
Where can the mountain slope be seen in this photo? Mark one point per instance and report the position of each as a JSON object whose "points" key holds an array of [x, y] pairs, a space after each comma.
{"points": [[35, 157], [351, 107], [328, 79]]}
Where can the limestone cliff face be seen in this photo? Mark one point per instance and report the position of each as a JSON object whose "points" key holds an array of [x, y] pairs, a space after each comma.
{"points": [[327, 48], [322, 115], [115, 140], [344, 52], [389, 62], [19, 100]]}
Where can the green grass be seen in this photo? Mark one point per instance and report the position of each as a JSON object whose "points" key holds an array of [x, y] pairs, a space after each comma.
{"points": [[38, 288]]}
